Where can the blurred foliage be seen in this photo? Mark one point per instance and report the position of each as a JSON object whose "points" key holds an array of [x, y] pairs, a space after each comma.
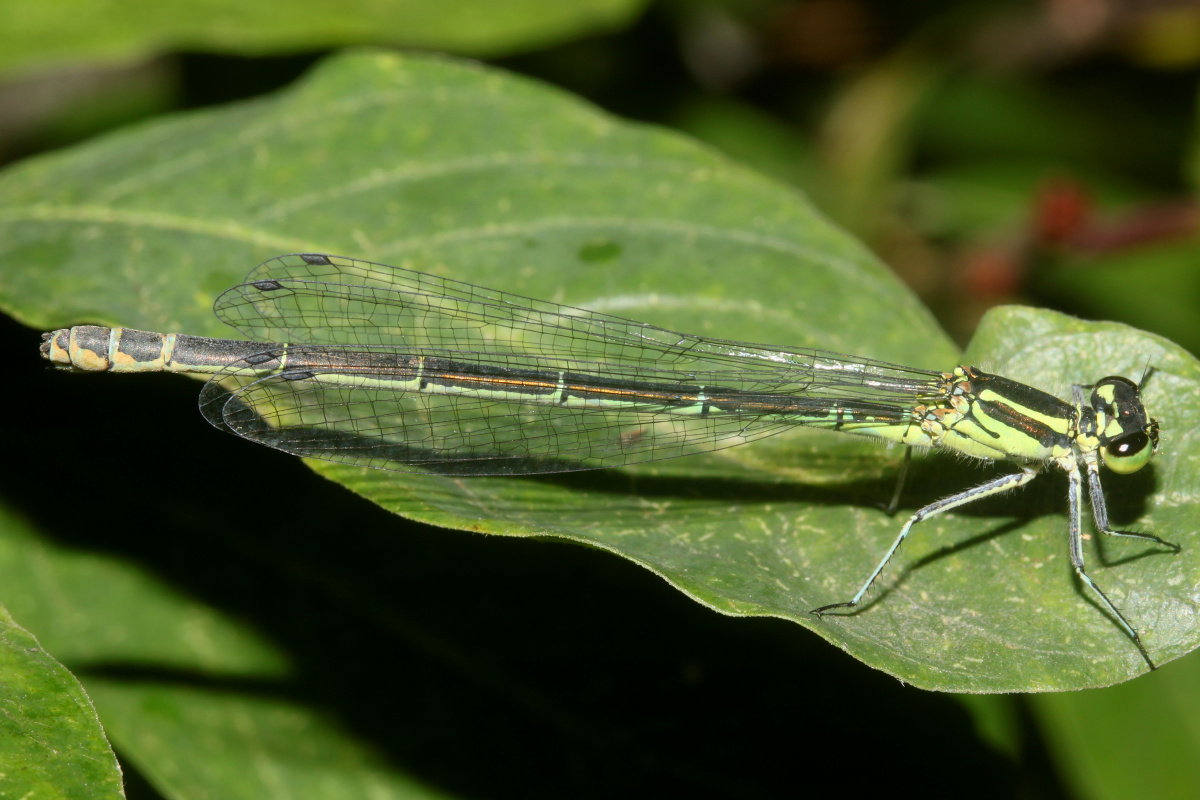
{"points": [[990, 152], [38, 35]]}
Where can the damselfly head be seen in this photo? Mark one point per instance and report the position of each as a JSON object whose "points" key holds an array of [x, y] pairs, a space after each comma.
{"points": [[1128, 436]]}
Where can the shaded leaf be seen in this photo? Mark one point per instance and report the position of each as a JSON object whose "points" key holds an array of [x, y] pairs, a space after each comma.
{"points": [[194, 698], [198, 743]]}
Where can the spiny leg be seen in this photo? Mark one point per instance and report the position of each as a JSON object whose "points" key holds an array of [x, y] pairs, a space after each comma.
{"points": [[1100, 512], [1074, 500], [1004, 483]]}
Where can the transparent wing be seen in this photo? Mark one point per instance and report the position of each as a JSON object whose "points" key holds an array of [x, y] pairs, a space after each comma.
{"points": [[356, 329], [365, 407], [330, 300]]}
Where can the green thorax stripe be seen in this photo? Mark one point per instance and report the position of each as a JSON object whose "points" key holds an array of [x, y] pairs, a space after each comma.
{"points": [[1025, 418]]}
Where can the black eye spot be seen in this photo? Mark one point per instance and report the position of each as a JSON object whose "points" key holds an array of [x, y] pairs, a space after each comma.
{"points": [[1129, 445]]}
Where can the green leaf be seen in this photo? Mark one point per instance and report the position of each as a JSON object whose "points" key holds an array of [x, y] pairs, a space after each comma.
{"points": [[51, 743], [979, 601], [193, 742], [39, 34], [461, 171]]}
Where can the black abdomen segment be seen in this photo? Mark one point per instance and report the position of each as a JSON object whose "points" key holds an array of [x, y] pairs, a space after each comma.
{"points": [[98, 349]]}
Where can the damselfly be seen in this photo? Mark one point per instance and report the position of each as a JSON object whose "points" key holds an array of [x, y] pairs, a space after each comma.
{"points": [[394, 369]]}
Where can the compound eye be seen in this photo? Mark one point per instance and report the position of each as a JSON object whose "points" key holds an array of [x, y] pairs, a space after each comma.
{"points": [[1128, 453]]}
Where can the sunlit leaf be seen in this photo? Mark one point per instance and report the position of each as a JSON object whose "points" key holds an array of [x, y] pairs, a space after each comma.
{"points": [[51, 743], [465, 172]]}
